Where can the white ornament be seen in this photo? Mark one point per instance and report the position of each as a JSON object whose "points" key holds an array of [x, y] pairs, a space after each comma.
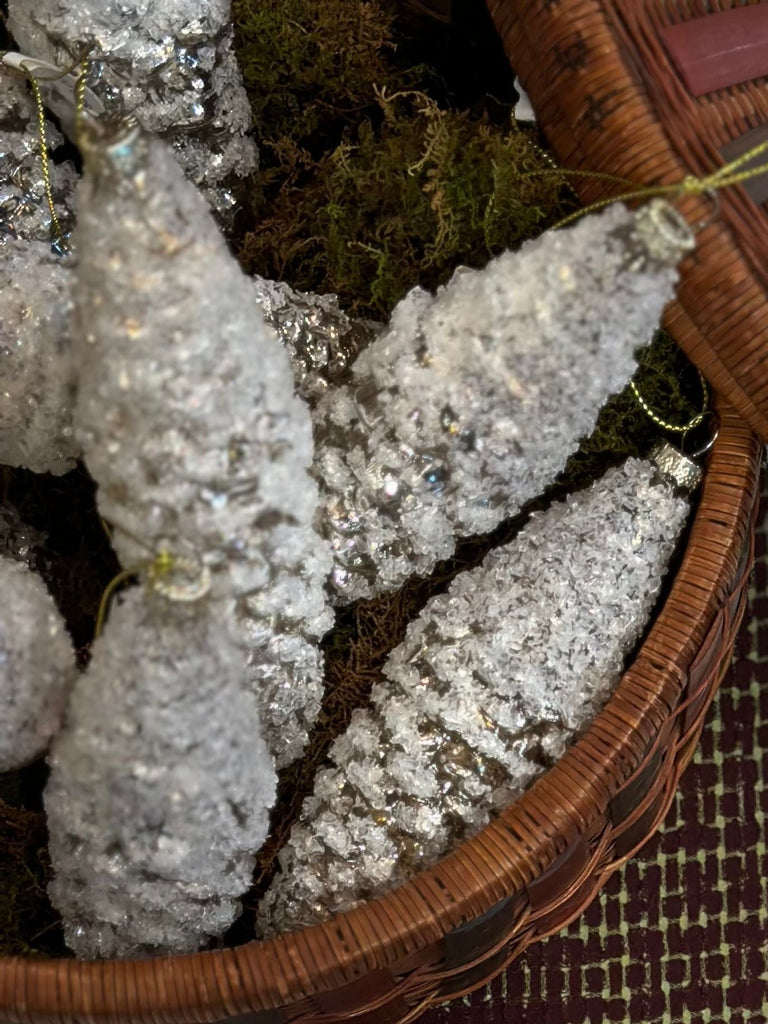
{"points": [[493, 680], [188, 421], [169, 62], [37, 375], [36, 372], [37, 666], [321, 339], [469, 404], [160, 784]]}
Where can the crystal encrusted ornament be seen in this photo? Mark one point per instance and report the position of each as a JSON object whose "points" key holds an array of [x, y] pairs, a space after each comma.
{"points": [[321, 339], [469, 404], [168, 62], [160, 784], [188, 420], [37, 375], [36, 372], [493, 680], [37, 666], [24, 212]]}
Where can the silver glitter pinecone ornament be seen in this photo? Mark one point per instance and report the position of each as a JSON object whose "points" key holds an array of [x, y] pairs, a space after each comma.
{"points": [[321, 339], [160, 784], [490, 684], [37, 666], [472, 400], [37, 379], [188, 421], [169, 62]]}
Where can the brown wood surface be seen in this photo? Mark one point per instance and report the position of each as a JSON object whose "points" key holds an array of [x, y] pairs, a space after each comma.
{"points": [[720, 49]]}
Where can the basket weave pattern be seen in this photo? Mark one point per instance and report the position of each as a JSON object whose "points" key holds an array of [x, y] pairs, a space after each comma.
{"points": [[523, 877], [610, 98]]}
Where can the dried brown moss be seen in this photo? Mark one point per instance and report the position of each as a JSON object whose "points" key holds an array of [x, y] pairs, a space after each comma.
{"points": [[28, 926], [368, 186]]}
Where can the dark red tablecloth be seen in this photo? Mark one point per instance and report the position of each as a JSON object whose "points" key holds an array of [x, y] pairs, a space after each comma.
{"points": [[680, 935]]}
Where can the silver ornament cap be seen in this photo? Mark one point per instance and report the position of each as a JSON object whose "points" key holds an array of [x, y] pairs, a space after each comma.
{"points": [[678, 469], [663, 232]]}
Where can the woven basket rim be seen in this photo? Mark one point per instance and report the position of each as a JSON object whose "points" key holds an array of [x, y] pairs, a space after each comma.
{"points": [[298, 966]]}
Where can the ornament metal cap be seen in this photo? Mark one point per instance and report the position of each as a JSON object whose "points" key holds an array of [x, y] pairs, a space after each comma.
{"points": [[676, 468]]}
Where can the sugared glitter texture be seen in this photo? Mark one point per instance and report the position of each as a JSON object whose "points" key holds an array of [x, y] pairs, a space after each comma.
{"points": [[36, 371], [37, 666], [321, 339], [24, 209], [169, 62], [37, 379], [492, 681], [188, 421], [469, 404], [160, 784]]}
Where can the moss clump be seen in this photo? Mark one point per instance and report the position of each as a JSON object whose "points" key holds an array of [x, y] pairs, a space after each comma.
{"points": [[370, 187], [28, 926], [671, 387], [407, 201], [310, 67]]}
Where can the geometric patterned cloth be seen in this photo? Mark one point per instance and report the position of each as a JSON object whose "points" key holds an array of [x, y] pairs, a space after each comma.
{"points": [[680, 934]]}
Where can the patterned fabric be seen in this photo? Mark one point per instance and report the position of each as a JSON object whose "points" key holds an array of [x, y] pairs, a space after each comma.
{"points": [[680, 935]]}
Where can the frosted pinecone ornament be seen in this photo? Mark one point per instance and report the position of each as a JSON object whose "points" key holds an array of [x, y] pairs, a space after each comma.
{"points": [[160, 784], [37, 666], [470, 403], [199, 445], [493, 680], [37, 376], [168, 62]]}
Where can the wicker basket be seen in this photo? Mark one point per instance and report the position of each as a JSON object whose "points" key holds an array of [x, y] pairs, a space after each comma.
{"points": [[542, 861], [627, 87]]}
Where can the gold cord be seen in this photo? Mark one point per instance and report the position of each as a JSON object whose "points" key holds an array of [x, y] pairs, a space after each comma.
{"points": [[109, 593], [674, 428], [45, 162], [157, 571], [57, 232], [728, 174], [80, 87]]}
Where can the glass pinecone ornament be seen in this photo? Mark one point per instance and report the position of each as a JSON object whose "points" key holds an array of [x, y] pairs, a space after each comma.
{"points": [[188, 421], [37, 379], [160, 784], [493, 680], [37, 666], [168, 62], [469, 404], [321, 339]]}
